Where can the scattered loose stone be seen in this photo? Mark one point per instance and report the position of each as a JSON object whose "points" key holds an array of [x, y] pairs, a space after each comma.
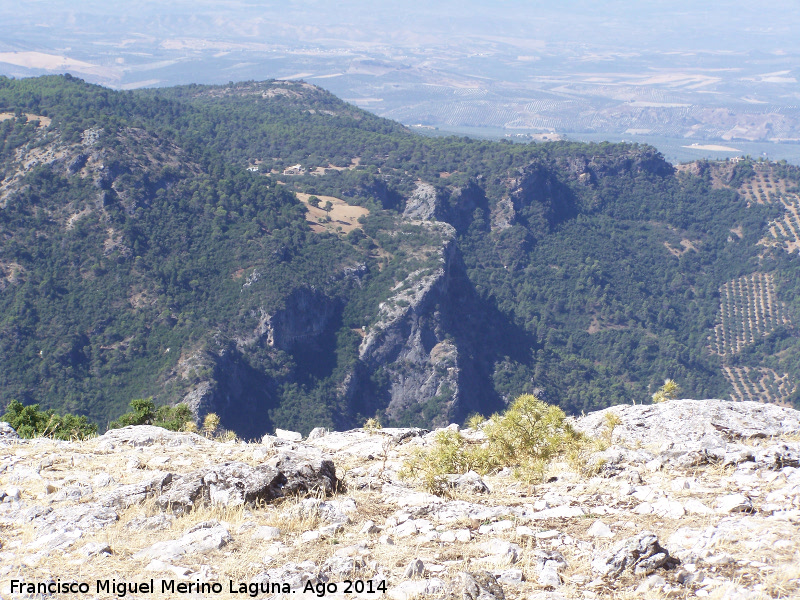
{"points": [[480, 585], [67, 494], [654, 582], [289, 436], [369, 527], [102, 480], [510, 576], [414, 569], [498, 527], [696, 507], [671, 509], [405, 529], [549, 577], [501, 551], [342, 566], [641, 553], [310, 536], [600, 529], [416, 587], [332, 529], [317, 433], [560, 512], [525, 531], [267, 533], [470, 482], [734, 503], [457, 535], [94, 548], [162, 567]]}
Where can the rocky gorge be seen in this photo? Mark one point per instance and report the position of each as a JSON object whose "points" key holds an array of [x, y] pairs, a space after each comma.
{"points": [[683, 499]]}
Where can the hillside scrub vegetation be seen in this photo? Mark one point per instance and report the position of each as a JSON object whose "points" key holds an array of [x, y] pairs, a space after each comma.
{"points": [[31, 422], [140, 258], [144, 412]]}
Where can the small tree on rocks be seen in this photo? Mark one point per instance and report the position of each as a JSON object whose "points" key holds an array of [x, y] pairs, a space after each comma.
{"points": [[668, 391], [211, 424]]}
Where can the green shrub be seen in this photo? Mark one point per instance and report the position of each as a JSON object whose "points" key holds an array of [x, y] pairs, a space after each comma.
{"points": [[475, 421], [610, 422], [372, 425], [30, 422], [530, 432], [668, 391], [450, 454], [144, 412], [526, 437], [211, 424]]}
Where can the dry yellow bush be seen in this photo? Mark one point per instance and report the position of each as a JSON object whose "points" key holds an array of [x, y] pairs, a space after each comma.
{"points": [[211, 424]]}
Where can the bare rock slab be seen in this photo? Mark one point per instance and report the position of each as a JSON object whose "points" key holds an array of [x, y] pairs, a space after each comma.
{"points": [[147, 435], [7, 433], [235, 483], [203, 537], [694, 424]]}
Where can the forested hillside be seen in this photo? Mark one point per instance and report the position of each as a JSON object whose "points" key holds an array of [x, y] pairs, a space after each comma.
{"points": [[152, 244]]}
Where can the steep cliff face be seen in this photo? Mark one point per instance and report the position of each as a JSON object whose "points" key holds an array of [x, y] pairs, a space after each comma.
{"points": [[408, 342], [223, 376], [462, 204], [424, 204], [454, 205], [222, 381], [306, 315], [590, 168], [539, 200], [426, 343], [140, 257]]}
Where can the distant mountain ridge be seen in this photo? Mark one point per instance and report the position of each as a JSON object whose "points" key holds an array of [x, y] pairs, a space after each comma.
{"points": [[152, 245]]}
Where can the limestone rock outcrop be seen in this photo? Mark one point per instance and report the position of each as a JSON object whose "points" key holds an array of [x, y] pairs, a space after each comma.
{"points": [[635, 518]]}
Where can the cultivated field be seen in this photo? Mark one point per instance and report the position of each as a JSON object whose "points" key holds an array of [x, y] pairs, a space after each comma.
{"points": [[759, 384], [748, 310], [343, 217]]}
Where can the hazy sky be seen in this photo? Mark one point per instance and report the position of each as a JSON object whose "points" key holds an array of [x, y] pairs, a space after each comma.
{"points": [[712, 25]]}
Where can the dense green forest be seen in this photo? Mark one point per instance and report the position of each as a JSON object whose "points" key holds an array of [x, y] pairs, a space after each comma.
{"points": [[152, 246]]}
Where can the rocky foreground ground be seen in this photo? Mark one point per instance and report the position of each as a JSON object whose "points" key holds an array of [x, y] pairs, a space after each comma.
{"points": [[690, 499]]}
